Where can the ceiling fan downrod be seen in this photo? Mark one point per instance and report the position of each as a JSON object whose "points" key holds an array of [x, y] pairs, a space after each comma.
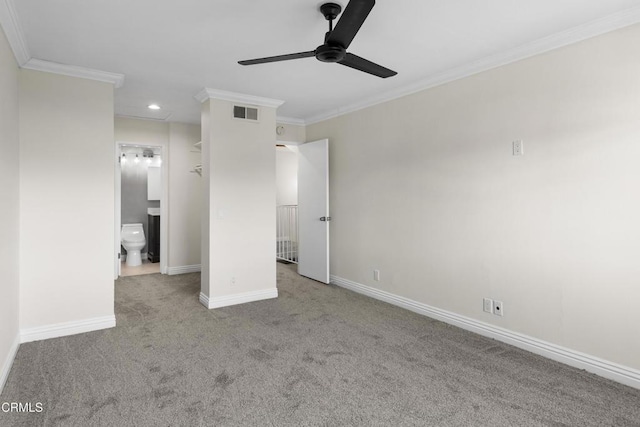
{"points": [[330, 52]]}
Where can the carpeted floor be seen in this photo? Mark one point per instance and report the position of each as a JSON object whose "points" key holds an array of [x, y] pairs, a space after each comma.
{"points": [[317, 355]]}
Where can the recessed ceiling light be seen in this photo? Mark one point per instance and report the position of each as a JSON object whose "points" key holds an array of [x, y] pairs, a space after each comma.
{"points": [[154, 107]]}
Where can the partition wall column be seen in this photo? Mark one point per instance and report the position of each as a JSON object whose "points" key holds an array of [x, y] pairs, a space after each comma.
{"points": [[239, 185]]}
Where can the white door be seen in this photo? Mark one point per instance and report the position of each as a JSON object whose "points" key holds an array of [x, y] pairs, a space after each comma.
{"points": [[313, 210]]}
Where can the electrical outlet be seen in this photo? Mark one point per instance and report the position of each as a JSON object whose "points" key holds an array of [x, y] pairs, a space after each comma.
{"points": [[376, 275], [518, 148], [233, 281], [497, 308], [487, 305]]}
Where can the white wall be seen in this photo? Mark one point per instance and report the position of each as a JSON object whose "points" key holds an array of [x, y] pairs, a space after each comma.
{"points": [[206, 213], [147, 132], [66, 199], [239, 182], [291, 133], [286, 176], [185, 196], [184, 188], [425, 189], [287, 163], [9, 212]]}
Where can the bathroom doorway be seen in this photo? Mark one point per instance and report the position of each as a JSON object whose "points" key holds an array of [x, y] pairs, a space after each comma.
{"points": [[140, 209]]}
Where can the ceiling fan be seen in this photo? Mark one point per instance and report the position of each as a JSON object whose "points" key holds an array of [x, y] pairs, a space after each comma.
{"points": [[337, 40]]}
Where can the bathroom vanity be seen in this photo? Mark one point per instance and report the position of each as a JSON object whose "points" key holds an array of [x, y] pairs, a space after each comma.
{"points": [[153, 238]]}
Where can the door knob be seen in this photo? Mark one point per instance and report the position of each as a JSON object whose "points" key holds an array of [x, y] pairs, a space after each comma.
{"points": [[325, 218]]}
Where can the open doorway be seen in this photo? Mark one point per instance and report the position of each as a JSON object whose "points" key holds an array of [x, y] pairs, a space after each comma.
{"points": [[302, 215], [140, 210], [287, 203]]}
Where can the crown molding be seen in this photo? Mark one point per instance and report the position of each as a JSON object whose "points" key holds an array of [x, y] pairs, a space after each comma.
{"points": [[74, 71], [207, 93], [15, 35], [153, 119], [290, 121], [13, 30], [573, 35]]}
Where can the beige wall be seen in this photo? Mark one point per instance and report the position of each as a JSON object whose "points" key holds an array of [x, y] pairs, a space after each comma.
{"points": [[206, 213], [147, 132], [184, 188], [239, 179], [9, 211], [185, 195], [292, 133], [287, 164], [425, 189], [66, 199], [287, 175]]}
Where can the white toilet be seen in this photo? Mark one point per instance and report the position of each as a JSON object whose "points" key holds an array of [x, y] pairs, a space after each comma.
{"points": [[132, 238]]}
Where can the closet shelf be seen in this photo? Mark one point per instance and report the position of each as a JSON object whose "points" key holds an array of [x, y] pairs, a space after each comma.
{"points": [[198, 168]]}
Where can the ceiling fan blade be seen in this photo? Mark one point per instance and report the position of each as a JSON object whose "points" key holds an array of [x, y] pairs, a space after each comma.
{"points": [[298, 55], [361, 64], [350, 22]]}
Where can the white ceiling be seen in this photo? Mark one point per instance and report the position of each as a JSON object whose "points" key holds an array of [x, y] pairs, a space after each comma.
{"points": [[170, 50]]}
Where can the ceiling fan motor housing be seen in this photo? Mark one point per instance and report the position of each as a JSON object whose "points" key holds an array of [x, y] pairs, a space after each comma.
{"points": [[330, 53]]}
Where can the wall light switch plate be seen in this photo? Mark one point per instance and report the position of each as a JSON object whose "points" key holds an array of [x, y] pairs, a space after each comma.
{"points": [[518, 148], [376, 275], [487, 305]]}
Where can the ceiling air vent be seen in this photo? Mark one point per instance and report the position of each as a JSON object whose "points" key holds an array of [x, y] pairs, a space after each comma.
{"points": [[245, 113]]}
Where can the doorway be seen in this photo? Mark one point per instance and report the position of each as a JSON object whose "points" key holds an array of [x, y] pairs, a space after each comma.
{"points": [[287, 203], [302, 211], [140, 206]]}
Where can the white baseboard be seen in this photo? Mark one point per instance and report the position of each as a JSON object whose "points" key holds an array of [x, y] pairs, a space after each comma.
{"points": [[67, 328], [8, 362], [204, 300], [603, 368], [182, 269], [242, 298]]}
